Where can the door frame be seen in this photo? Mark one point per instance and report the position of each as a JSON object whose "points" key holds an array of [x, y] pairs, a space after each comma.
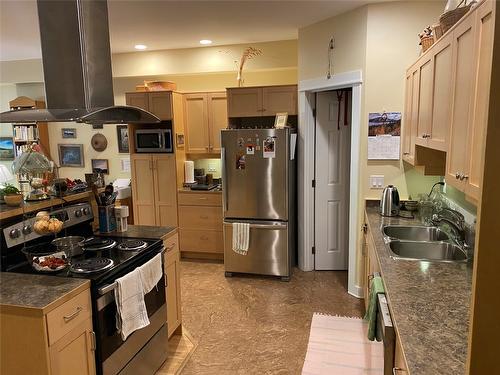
{"points": [[306, 169]]}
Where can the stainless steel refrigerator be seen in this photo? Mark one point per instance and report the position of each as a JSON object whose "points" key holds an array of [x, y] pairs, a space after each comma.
{"points": [[259, 185]]}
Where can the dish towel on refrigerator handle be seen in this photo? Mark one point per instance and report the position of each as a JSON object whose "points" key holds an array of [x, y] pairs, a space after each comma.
{"points": [[131, 313], [241, 238], [151, 272]]}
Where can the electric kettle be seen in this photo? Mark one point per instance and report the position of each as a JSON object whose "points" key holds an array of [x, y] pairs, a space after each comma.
{"points": [[389, 202]]}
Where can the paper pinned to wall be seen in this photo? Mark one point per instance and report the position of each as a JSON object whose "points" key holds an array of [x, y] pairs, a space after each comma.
{"points": [[384, 135], [125, 164]]}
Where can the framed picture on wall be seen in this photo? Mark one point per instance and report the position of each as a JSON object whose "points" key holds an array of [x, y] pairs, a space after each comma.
{"points": [[6, 148], [71, 155], [122, 134], [100, 165], [68, 132]]}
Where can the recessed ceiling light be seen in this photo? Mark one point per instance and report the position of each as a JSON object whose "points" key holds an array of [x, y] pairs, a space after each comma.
{"points": [[140, 47], [205, 42]]}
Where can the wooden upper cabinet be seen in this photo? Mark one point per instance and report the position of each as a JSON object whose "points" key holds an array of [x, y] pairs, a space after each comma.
{"points": [[244, 102], [464, 82], [424, 102], [217, 119], [279, 99], [137, 99], [196, 113], [442, 94], [165, 189], [206, 116], [476, 135], [261, 101], [160, 104], [143, 192], [415, 92]]}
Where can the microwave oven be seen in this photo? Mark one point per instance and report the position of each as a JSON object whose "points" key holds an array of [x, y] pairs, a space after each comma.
{"points": [[153, 140]]}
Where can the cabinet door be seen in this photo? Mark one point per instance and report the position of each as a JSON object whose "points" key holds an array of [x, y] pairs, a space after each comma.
{"points": [[217, 119], [172, 271], [424, 102], [137, 99], [415, 90], [407, 124], [279, 99], [74, 351], [196, 111], [143, 192], [441, 109], [464, 82], [165, 189], [475, 151], [244, 102], [160, 104], [400, 367]]}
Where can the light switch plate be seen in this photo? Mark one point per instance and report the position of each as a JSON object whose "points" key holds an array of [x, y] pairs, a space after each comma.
{"points": [[376, 181]]}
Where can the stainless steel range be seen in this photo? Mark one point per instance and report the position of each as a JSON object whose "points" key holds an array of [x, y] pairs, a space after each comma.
{"points": [[103, 260]]}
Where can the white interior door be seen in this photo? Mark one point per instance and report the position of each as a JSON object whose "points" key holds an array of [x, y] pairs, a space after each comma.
{"points": [[333, 144]]}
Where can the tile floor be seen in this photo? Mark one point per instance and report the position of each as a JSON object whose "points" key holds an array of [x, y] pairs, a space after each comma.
{"points": [[254, 325]]}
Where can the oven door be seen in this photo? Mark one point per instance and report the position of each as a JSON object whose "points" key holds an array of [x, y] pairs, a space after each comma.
{"points": [[114, 354]]}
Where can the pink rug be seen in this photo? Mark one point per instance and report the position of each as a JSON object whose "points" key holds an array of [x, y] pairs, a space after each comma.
{"points": [[338, 346]]}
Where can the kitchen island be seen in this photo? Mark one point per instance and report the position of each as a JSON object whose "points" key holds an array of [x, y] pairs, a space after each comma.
{"points": [[429, 303]]}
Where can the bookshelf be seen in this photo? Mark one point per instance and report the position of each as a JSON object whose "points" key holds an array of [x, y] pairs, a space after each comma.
{"points": [[25, 134]]}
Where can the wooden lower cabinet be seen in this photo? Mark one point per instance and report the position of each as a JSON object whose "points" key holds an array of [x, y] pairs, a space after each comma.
{"points": [[400, 366], [74, 351], [200, 223], [173, 275], [49, 341]]}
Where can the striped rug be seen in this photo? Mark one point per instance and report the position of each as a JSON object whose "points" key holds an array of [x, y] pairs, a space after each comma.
{"points": [[338, 346]]}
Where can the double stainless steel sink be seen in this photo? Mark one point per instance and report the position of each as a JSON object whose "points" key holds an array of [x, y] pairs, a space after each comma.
{"points": [[422, 243]]}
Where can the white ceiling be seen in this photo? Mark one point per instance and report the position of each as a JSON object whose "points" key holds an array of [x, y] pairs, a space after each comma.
{"points": [[175, 24]]}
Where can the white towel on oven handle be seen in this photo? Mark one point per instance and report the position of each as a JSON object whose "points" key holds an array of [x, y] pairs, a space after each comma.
{"points": [[131, 313], [151, 273]]}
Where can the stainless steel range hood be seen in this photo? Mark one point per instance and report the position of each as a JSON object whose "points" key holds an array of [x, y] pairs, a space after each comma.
{"points": [[77, 67]]}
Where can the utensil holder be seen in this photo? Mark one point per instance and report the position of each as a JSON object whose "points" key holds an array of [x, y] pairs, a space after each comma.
{"points": [[107, 220]]}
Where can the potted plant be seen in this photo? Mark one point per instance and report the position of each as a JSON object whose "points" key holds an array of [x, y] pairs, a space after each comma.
{"points": [[11, 195]]}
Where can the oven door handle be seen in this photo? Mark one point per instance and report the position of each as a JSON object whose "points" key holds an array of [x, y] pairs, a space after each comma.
{"points": [[108, 288]]}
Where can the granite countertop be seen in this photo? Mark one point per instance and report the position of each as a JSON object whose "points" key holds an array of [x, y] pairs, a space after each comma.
{"points": [[429, 302], [40, 292], [142, 231]]}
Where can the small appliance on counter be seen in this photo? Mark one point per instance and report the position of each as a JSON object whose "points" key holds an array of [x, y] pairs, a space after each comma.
{"points": [[121, 215], [389, 202]]}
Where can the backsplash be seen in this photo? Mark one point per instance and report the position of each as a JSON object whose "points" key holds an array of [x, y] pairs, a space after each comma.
{"points": [[210, 165]]}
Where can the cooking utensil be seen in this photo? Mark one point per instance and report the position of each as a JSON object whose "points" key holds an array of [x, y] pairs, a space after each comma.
{"points": [[96, 195], [389, 203], [113, 197], [71, 245]]}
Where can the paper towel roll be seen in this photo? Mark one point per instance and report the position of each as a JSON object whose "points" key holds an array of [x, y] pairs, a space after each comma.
{"points": [[189, 172]]}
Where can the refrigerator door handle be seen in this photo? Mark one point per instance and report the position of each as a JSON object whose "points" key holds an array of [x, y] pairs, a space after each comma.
{"points": [[276, 226], [224, 182]]}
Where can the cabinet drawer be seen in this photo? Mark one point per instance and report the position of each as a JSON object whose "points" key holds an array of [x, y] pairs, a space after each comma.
{"points": [[171, 244], [68, 316], [200, 199], [202, 241], [194, 217]]}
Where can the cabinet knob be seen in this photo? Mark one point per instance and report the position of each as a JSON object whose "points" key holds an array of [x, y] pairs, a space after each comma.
{"points": [[457, 175], [406, 153], [466, 177]]}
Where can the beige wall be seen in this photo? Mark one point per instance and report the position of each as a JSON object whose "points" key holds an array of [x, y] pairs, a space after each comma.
{"points": [[391, 47], [349, 32]]}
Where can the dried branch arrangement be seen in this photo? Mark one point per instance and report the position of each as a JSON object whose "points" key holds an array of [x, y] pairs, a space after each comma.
{"points": [[248, 54]]}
